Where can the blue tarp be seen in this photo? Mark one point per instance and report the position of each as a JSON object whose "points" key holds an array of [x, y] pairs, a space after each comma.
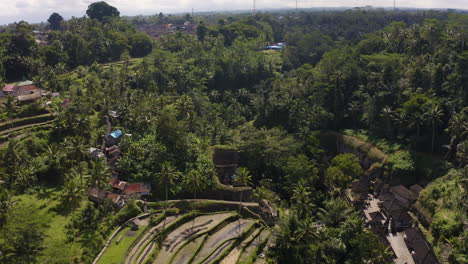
{"points": [[117, 134]]}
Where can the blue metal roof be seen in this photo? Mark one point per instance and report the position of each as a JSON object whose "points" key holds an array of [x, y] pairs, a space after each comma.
{"points": [[116, 134]]}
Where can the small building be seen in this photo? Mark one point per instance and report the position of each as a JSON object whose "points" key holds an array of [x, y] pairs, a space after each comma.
{"points": [[360, 186], [8, 88], [416, 189], [118, 186], [21, 88], [137, 189], [29, 97], [96, 195], [226, 162], [116, 134], [116, 199], [113, 138], [403, 194]]}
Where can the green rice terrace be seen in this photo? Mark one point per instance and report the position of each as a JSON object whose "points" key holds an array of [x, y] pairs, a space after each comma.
{"points": [[205, 235]]}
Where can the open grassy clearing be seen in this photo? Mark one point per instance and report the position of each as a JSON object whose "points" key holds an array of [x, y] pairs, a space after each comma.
{"points": [[57, 248]]}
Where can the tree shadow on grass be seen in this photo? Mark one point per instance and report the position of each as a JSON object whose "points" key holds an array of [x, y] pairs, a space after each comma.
{"points": [[46, 193], [65, 208]]}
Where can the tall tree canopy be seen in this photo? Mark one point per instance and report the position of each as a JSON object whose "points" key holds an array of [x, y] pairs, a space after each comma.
{"points": [[100, 10], [55, 20]]}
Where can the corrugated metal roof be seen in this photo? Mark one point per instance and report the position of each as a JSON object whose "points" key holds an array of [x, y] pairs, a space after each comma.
{"points": [[9, 88], [117, 134], [24, 83], [29, 97]]}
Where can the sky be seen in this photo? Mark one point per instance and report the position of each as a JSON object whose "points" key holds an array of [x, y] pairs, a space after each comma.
{"points": [[35, 11]]}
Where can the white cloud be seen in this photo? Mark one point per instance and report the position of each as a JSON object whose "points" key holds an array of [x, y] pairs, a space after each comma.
{"points": [[39, 10]]}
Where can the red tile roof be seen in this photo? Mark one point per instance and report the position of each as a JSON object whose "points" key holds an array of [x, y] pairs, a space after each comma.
{"points": [[114, 197], [121, 185], [137, 188]]}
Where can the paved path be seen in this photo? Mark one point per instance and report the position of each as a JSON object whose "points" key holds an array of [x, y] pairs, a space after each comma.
{"points": [[401, 250]]}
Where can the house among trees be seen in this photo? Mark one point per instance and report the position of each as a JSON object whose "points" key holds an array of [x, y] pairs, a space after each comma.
{"points": [[404, 195], [97, 195], [24, 91], [360, 186], [416, 189], [226, 162], [136, 190], [113, 138]]}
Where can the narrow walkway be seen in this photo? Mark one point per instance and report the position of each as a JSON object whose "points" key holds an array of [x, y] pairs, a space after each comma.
{"points": [[399, 247]]}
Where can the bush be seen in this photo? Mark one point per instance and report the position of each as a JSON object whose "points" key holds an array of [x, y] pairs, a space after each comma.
{"points": [[445, 224], [130, 210], [401, 164]]}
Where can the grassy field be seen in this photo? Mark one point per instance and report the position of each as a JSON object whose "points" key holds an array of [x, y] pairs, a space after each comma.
{"points": [[57, 249], [115, 253]]}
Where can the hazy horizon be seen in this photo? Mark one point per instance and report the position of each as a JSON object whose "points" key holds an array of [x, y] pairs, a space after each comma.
{"points": [[36, 11]]}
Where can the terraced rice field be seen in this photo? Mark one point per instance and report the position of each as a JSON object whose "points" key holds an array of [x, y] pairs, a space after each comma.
{"points": [[206, 238]]}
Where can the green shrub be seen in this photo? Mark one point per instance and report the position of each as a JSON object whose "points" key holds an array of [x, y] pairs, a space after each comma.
{"points": [[401, 164], [445, 224], [131, 209]]}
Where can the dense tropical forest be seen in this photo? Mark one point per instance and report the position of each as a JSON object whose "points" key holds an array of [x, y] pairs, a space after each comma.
{"points": [[352, 95]]}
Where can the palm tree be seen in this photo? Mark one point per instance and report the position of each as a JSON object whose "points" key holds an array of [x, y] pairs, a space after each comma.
{"points": [[433, 115], [399, 121], [242, 178], [166, 176], [100, 173], [301, 200], [72, 190], [334, 213], [458, 130], [416, 121], [77, 149], [194, 183], [387, 115]]}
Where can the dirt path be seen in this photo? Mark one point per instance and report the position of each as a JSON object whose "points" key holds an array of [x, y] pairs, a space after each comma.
{"points": [[186, 231], [401, 250], [234, 255], [147, 236]]}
